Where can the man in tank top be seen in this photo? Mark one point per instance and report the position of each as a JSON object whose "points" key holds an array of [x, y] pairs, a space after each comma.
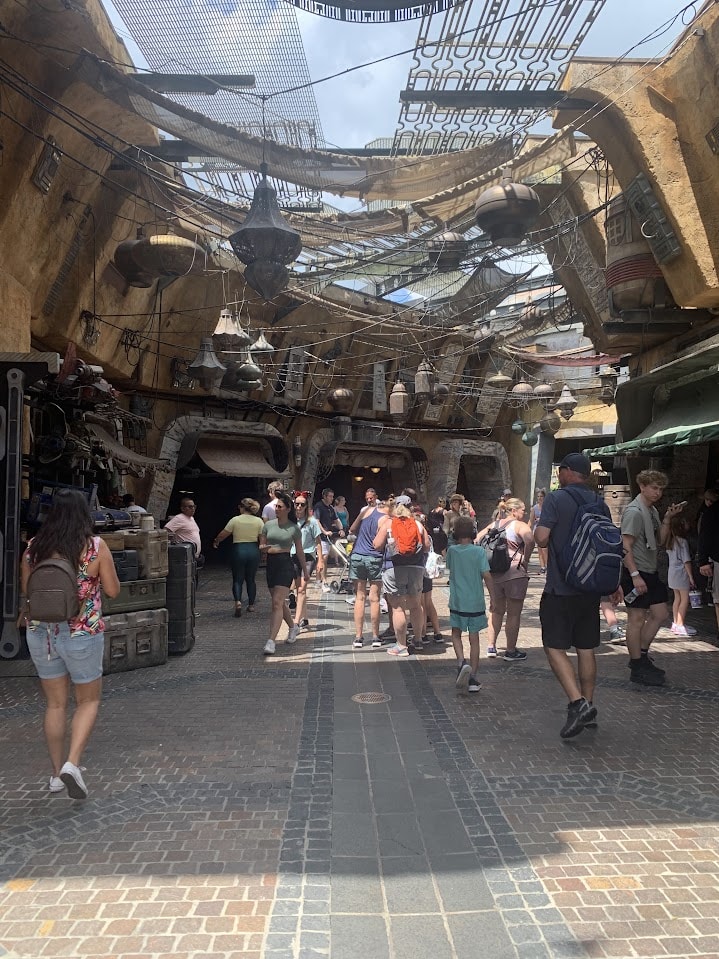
{"points": [[366, 567]]}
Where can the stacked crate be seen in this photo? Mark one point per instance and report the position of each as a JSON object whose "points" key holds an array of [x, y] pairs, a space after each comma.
{"points": [[181, 579], [136, 621]]}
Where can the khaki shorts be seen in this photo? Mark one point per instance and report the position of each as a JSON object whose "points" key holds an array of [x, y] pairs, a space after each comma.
{"points": [[514, 587], [403, 580]]}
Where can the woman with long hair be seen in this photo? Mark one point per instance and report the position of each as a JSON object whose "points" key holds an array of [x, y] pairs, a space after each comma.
{"points": [[681, 575], [435, 526], [276, 540], [245, 529], [509, 588], [312, 548], [71, 651]]}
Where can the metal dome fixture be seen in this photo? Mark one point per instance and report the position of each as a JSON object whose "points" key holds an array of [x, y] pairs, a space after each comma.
{"points": [[228, 336], [447, 250], [608, 378], [530, 438], [399, 402], [507, 211], [522, 393], [423, 381], [566, 404], [206, 368], [439, 394], [500, 380], [551, 423], [546, 394], [261, 348], [341, 399], [519, 427], [266, 242]]}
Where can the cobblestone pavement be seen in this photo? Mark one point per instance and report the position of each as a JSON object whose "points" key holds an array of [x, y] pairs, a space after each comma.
{"points": [[250, 807]]}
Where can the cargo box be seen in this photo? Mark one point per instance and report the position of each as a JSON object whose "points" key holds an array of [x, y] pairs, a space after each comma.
{"points": [[135, 640], [151, 546], [115, 540], [127, 564], [181, 635], [137, 595]]}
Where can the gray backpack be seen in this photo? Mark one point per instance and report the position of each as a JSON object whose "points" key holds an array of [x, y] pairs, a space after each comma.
{"points": [[52, 591]]}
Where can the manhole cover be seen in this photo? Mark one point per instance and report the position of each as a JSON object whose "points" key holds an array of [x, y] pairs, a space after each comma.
{"points": [[370, 698]]}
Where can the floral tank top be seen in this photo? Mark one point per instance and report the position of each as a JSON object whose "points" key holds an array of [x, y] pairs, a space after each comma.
{"points": [[89, 619]]}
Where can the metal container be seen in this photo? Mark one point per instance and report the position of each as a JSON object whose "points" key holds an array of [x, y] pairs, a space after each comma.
{"points": [[151, 546], [137, 595], [634, 278], [135, 640]]}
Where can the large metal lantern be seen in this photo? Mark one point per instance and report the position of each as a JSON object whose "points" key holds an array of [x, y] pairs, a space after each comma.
{"points": [[228, 335], [551, 423], [608, 378], [261, 348], [206, 368], [142, 260], [341, 399], [530, 438], [266, 242], [507, 212], [566, 404], [519, 427], [439, 394], [423, 381], [522, 393], [499, 381], [399, 403], [447, 250], [248, 375], [546, 395]]}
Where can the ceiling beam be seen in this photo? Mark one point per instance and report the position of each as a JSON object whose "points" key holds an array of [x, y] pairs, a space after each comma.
{"points": [[208, 83], [497, 99]]}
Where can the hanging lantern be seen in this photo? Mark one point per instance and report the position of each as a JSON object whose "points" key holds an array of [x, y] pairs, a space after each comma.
{"points": [[530, 438], [551, 423], [229, 337], [499, 380], [566, 404], [519, 427], [546, 394], [507, 211], [399, 403], [132, 272], [206, 367], [142, 260], [261, 349], [446, 251], [266, 242], [423, 381], [439, 394], [521, 394], [608, 378], [341, 399]]}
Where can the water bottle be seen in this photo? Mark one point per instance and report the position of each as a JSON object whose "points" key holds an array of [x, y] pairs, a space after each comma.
{"points": [[630, 597]]}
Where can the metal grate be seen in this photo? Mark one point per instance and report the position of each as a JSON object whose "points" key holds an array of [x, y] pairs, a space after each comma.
{"points": [[370, 699]]}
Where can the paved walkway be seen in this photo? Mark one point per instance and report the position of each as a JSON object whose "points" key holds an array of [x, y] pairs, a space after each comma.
{"points": [[242, 807]]}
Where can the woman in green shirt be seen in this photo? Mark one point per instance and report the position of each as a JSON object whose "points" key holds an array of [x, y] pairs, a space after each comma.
{"points": [[276, 540], [245, 529]]}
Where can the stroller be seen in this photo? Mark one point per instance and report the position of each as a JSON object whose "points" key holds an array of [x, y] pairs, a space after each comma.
{"points": [[341, 549]]}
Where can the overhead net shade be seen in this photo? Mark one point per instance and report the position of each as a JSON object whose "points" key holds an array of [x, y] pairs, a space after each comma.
{"points": [[689, 417], [231, 457]]}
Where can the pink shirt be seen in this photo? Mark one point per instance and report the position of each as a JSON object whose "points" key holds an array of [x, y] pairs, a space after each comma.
{"points": [[184, 529]]}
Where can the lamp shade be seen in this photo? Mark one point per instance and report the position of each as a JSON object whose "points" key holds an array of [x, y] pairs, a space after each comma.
{"points": [[566, 404], [507, 211], [341, 399], [446, 251], [423, 381], [399, 402], [530, 438], [206, 368], [228, 335], [266, 242]]}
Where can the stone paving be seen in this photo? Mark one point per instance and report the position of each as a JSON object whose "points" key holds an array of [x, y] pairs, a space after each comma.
{"points": [[243, 807]]}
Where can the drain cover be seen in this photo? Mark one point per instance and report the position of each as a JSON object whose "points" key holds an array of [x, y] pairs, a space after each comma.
{"points": [[370, 698]]}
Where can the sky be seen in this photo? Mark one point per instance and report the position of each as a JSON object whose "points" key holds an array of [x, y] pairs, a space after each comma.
{"points": [[364, 105]]}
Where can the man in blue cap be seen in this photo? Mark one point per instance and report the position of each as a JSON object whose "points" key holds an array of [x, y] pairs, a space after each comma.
{"points": [[569, 617]]}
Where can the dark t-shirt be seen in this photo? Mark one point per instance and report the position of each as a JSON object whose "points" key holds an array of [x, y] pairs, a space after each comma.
{"points": [[326, 515], [558, 516]]}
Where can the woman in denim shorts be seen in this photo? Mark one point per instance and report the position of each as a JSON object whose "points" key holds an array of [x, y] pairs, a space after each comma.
{"points": [[72, 651]]}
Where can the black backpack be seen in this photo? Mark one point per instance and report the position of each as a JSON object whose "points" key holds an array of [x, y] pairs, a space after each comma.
{"points": [[52, 595], [497, 548]]}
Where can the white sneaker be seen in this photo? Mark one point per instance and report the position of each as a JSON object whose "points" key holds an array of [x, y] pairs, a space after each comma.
{"points": [[56, 785], [350, 601], [326, 588], [679, 630], [358, 643], [75, 784], [269, 648], [292, 634], [383, 605]]}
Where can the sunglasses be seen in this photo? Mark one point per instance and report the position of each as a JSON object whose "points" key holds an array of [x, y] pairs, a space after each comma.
{"points": [[300, 502]]}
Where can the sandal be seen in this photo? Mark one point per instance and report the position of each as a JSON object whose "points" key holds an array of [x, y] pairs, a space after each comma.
{"points": [[238, 610]]}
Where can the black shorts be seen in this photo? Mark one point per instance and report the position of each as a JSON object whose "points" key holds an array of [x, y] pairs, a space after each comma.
{"points": [[569, 621], [656, 590], [426, 585], [280, 570], [310, 563]]}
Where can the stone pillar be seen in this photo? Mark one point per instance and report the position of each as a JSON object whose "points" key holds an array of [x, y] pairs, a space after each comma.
{"points": [[545, 459]]}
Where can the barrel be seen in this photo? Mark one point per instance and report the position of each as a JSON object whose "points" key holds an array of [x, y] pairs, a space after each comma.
{"points": [[617, 498], [633, 277]]}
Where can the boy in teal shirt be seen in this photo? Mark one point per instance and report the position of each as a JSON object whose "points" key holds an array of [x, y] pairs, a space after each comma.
{"points": [[468, 567]]}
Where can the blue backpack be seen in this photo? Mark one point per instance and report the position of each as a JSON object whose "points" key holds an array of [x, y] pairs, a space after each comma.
{"points": [[591, 560]]}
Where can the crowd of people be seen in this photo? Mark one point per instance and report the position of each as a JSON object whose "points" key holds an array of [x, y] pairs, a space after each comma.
{"points": [[397, 550]]}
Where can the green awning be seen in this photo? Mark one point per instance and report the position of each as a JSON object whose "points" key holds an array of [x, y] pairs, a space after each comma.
{"points": [[690, 417]]}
